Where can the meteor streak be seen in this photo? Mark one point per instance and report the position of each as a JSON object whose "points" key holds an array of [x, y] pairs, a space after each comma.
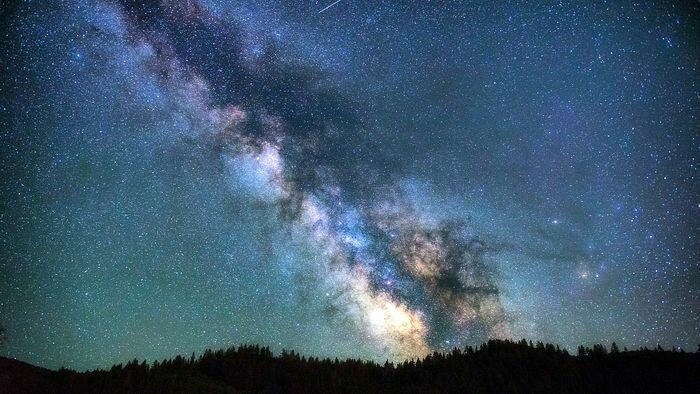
{"points": [[329, 6]]}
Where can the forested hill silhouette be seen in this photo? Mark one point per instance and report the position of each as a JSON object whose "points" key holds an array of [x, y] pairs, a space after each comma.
{"points": [[497, 366]]}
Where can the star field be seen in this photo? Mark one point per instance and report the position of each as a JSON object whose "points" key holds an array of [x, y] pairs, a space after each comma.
{"points": [[378, 180]]}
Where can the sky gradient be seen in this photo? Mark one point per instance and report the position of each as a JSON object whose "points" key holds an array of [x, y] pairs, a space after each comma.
{"points": [[379, 180]]}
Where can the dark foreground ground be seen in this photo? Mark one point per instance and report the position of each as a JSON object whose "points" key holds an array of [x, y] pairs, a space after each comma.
{"points": [[497, 367]]}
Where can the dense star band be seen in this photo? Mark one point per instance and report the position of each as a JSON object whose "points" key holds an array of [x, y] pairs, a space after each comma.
{"points": [[374, 180]]}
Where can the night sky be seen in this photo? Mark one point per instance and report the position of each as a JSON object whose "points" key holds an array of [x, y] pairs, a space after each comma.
{"points": [[376, 179]]}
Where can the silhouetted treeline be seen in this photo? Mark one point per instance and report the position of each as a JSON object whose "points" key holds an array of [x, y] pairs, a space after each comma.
{"points": [[497, 367]]}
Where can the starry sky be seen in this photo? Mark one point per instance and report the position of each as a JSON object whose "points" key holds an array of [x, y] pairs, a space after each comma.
{"points": [[376, 179]]}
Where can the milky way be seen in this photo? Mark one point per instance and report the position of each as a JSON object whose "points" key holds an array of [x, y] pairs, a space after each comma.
{"points": [[184, 175]]}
